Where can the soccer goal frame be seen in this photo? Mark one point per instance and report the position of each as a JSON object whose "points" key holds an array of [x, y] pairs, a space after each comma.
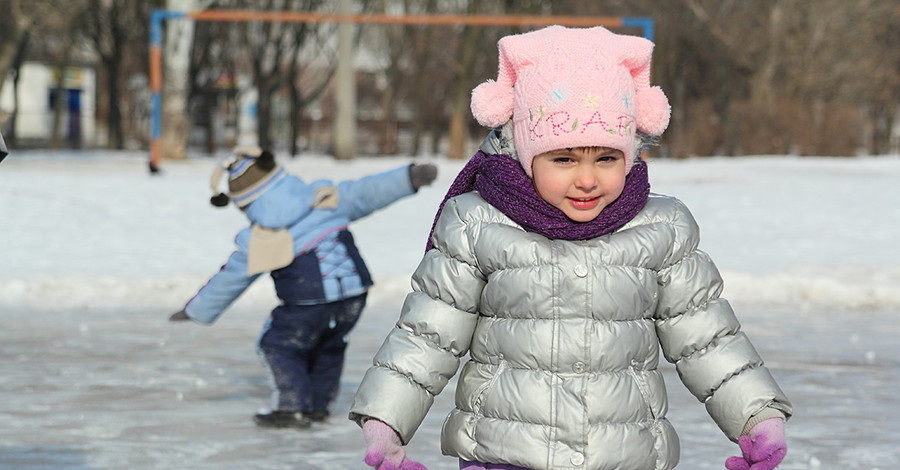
{"points": [[158, 16]]}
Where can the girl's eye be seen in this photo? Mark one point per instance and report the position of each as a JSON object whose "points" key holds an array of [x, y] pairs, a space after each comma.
{"points": [[562, 160], [607, 158]]}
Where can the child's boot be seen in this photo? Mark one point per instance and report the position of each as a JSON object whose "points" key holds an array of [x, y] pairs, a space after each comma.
{"points": [[318, 416], [282, 419]]}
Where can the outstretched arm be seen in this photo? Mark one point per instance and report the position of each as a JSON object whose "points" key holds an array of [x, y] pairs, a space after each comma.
{"points": [[222, 289], [361, 197]]}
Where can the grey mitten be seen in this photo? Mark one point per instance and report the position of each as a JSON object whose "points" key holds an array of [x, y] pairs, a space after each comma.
{"points": [[422, 174], [179, 316]]}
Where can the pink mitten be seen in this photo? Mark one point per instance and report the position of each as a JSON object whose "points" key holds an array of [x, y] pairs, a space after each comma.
{"points": [[763, 449], [384, 450]]}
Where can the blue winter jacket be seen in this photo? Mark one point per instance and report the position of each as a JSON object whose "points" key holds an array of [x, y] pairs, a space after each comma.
{"points": [[327, 266]]}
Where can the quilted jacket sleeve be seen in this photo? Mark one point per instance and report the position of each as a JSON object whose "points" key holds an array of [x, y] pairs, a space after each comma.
{"points": [[700, 334], [222, 289], [437, 321], [359, 198]]}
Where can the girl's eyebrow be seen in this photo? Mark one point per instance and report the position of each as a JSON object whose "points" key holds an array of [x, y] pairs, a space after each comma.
{"points": [[571, 151]]}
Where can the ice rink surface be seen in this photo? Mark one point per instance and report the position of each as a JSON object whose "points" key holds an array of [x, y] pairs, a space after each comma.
{"points": [[95, 254]]}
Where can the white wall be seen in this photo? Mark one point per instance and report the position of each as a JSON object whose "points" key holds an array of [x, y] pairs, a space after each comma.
{"points": [[35, 117]]}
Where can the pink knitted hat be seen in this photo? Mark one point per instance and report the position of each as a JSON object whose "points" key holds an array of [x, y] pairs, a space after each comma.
{"points": [[566, 87]]}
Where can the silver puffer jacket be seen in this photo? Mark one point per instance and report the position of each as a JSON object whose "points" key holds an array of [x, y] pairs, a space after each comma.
{"points": [[563, 340]]}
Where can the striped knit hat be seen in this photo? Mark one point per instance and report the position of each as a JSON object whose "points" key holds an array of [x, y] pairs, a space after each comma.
{"points": [[251, 171]]}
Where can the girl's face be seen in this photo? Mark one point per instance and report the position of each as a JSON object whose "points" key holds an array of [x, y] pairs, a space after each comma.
{"points": [[582, 181]]}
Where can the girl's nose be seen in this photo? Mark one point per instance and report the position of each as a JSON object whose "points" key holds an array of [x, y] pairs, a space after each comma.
{"points": [[586, 179]]}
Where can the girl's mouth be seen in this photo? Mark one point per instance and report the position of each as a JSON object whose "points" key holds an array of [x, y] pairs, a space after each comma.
{"points": [[584, 203]]}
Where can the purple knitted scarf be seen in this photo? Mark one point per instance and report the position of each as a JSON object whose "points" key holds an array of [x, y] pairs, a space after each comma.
{"points": [[502, 182]]}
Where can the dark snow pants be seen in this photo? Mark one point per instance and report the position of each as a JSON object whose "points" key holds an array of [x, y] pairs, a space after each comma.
{"points": [[303, 346]]}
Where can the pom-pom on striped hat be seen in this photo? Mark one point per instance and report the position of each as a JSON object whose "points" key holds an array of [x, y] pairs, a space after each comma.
{"points": [[572, 87], [251, 171]]}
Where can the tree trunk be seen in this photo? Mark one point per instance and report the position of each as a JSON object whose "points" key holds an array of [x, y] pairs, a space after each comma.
{"points": [[296, 116], [420, 94], [116, 136], [14, 25], [679, 146], [388, 140], [264, 115], [344, 128], [459, 117], [894, 139], [761, 89], [59, 98], [726, 143], [173, 142], [882, 127], [17, 74], [210, 105], [459, 134], [423, 58], [178, 42]]}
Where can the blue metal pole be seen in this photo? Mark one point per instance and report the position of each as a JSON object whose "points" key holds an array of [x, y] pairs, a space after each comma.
{"points": [[156, 37], [643, 22]]}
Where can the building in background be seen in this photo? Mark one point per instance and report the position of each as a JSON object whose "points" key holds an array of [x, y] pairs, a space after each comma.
{"points": [[38, 99]]}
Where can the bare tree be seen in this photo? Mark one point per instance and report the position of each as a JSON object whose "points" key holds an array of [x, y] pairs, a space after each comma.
{"points": [[13, 29], [304, 88], [459, 99], [273, 49], [420, 79], [212, 58], [394, 38], [113, 27], [14, 70]]}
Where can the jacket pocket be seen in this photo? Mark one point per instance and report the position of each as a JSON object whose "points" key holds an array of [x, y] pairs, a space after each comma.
{"points": [[482, 393], [641, 381]]}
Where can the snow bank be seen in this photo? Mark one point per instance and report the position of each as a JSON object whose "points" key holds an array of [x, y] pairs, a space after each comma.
{"points": [[94, 230]]}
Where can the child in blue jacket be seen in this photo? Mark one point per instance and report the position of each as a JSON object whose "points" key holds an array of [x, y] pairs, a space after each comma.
{"points": [[298, 233]]}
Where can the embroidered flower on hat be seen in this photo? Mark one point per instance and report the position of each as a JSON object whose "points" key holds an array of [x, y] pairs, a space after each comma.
{"points": [[558, 94], [536, 114], [626, 101]]}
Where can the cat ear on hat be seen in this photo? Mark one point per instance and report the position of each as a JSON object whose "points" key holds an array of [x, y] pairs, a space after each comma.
{"points": [[493, 101], [250, 151], [219, 199], [653, 110], [266, 160]]}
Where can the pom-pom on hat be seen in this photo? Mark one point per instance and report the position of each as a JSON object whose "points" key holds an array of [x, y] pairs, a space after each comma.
{"points": [[572, 87], [251, 171]]}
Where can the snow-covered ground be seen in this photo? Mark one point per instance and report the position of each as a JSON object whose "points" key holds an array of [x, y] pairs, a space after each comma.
{"points": [[95, 254]]}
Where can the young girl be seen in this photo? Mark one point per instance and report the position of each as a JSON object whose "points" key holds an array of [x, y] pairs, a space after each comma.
{"points": [[552, 266]]}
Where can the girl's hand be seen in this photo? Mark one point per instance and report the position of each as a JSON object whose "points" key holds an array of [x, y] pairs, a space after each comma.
{"points": [[384, 450], [762, 449]]}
